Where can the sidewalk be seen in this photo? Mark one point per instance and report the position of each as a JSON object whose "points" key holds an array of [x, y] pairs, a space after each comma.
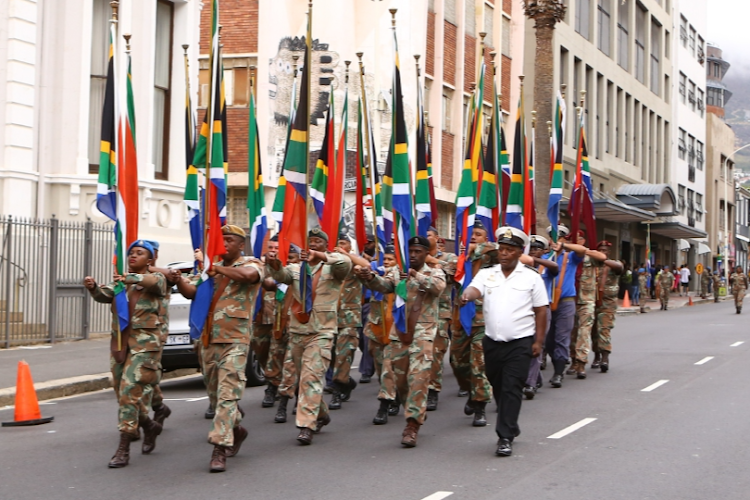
{"points": [[675, 302]]}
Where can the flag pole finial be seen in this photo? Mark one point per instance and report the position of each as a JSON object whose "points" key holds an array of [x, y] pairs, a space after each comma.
{"points": [[563, 87], [393, 16], [533, 119], [482, 34], [416, 59], [347, 71], [521, 77], [493, 54], [127, 37], [115, 5], [294, 65], [185, 47], [549, 128], [252, 77], [583, 97]]}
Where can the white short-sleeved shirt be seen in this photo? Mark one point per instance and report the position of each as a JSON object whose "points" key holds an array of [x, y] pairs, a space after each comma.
{"points": [[509, 302], [684, 275]]}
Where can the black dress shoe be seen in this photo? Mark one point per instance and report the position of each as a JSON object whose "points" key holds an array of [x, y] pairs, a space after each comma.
{"points": [[365, 379], [210, 413], [556, 381], [504, 448], [462, 393], [305, 436]]}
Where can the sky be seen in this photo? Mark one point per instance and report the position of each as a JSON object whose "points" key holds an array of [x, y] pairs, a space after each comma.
{"points": [[728, 28]]}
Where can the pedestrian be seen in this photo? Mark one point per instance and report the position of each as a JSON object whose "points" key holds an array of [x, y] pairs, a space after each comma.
{"points": [[515, 308], [606, 308], [717, 285], [643, 278], [135, 351], [739, 283], [684, 279], [226, 340], [666, 280], [408, 356], [705, 276], [311, 333]]}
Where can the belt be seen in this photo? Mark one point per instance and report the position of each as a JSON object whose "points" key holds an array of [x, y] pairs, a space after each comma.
{"points": [[567, 299]]}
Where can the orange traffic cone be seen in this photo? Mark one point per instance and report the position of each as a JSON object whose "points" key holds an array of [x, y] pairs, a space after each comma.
{"points": [[27, 405], [690, 300], [626, 300]]}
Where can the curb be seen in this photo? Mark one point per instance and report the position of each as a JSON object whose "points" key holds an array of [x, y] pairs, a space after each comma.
{"points": [[76, 385], [623, 311]]}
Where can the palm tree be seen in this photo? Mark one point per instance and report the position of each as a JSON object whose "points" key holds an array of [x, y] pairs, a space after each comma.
{"points": [[546, 14]]}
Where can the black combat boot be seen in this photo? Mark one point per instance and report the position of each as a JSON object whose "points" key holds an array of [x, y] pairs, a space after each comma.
{"points": [[151, 429], [597, 361], [270, 397], [381, 417], [432, 400], [394, 406], [480, 420], [280, 417], [122, 455], [161, 412], [335, 403], [604, 367], [346, 389]]}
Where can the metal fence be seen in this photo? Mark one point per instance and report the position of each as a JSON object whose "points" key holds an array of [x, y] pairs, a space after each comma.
{"points": [[42, 266]]}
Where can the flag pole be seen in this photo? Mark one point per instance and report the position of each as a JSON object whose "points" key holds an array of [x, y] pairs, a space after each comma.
{"points": [[366, 122], [304, 269], [209, 139], [113, 22], [191, 125]]}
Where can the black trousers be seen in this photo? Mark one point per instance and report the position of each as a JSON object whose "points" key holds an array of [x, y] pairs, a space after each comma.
{"points": [[507, 366]]}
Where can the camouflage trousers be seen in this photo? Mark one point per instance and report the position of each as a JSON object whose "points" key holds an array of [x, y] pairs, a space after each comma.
{"points": [[406, 371], [580, 337], [224, 372], [133, 382], [467, 361], [664, 296], [274, 368], [310, 356], [601, 336], [346, 343], [739, 296], [260, 341], [375, 349], [439, 348]]}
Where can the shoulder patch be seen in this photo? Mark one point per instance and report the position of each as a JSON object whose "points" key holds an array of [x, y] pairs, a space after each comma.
{"points": [[531, 268]]}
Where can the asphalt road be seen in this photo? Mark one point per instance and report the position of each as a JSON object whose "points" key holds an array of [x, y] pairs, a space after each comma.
{"points": [[684, 439]]}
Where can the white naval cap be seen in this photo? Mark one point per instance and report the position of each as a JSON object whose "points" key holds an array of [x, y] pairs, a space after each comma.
{"points": [[562, 230], [508, 235], [540, 241]]}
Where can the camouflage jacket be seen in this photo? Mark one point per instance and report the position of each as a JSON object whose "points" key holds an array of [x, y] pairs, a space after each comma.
{"points": [[643, 284], [666, 280], [446, 260], [232, 319], [432, 280], [375, 316], [146, 325], [324, 315], [350, 303], [588, 285], [268, 312], [738, 281], [705, 279], [481, 254], [611, 283]]}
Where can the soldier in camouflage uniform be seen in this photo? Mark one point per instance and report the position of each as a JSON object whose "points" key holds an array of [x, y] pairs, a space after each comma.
{"points": [[410, 362], [279, 370], [467, 355], [643, 284], [133, 379], [608, 280], [311, 337], [739, 283], [226, 340], [705, 282], [262, 332], [717, 285], [665, 279], [349, 322]]}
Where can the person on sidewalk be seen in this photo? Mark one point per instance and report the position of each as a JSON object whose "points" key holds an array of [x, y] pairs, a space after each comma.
{"points": [[643, 278], [665, 279], [705, 277], [515, 308], [608, 283], [226, 340], [136, 351], [684, 279], [408, 356], [311, 335], [716, 285], [739, 283]]}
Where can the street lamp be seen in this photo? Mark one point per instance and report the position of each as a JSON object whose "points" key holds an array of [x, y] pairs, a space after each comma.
{"points": [[726, 214]]}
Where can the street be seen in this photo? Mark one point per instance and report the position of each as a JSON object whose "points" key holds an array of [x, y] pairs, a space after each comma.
{"points": [[667, 422]]}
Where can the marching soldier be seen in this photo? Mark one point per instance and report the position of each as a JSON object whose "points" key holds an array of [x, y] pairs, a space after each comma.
{"points": [[643, 284], [136, 351], [282, 368], [262, 336], [739, 283], [665, 279], [311, 335], [226, 340], [717, 285], [705, 282], [408, 356], [608, 287]]}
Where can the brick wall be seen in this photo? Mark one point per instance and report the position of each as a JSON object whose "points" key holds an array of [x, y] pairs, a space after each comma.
{"points": [[489, 76], [430, 59], [470, 54], [446, 161], [449, 57], [239, 20], [505, 82], [237, 120], [508, 6]]}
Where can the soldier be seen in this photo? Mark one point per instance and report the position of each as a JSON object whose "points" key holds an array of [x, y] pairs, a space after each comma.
{"points": [[608, 287], [665, 279], [643, 284], [705, 282], [408, 356], [282, 369], [136, 351], [539, 259], [226, 340], [717, 285], [442, 339], [366, 362], [349, 322], [311, 334], [739, 283], [263, 330]]}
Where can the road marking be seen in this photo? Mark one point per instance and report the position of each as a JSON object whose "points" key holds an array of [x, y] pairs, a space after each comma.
{"points": [[32, 347], [438, 495], [654, 386], [189, 400], [571, 429], [737, 344], [704, 360]]}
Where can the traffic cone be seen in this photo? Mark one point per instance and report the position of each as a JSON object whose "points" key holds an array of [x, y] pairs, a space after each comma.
{"points": [[27, 405], [626, 300], [690, 300]]}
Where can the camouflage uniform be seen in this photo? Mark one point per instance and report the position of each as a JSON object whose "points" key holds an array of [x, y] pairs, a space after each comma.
{"points": [[605, 313], [375, 347], [705, 281], [666, 281], [262, 330], [153, 396], [274, 369], [717, 285], [134, 379], [739, 287], [467, 352], [442, 339], [350, 320], [224, 360], [581, 336], [310, 343], [409, 366], [643, 284]]}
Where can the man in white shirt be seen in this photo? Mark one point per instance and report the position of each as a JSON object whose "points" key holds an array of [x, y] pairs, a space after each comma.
{"points": [[684, 279], [515, 309]]}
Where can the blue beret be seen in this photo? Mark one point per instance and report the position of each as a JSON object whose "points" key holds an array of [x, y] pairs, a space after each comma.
{"points": [[143, 244], [153, 243]]}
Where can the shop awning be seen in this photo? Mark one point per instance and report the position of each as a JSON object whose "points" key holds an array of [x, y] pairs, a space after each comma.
{"points": [[684, 245], [658, 198], [743, 245], [703, 248], [613, 210], [676, 230]]}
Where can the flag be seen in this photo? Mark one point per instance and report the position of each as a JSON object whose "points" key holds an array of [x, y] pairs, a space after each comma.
{"points": [[193, 190], [514, 209], [581, 206], [324, 165], [363, 198], [431, 183], [256, 200], [488, 208], [277, 211], [529, 195], [556, 158], [505, 170], [424, 195], [334, 209]]}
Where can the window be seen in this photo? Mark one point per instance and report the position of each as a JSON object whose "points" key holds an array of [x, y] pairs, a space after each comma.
{"points": [[583, 13], [691, 207], [667, 88], [506, 37], [691, 95], [447, 99], [640, 44], [717, 70], [699, 154], [691, 151], [683, 87], [691, 41], [667, 44], [700, 103], [683, 31], [623, 21], [98, 79], [701, 54], [698, 207], [162, 76], [655, 51], [681, 144], [604, 25], [489, 24], [681, 199]]}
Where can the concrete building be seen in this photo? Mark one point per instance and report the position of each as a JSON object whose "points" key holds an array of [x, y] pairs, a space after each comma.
{"points": [[620, 53], [742, 226]]}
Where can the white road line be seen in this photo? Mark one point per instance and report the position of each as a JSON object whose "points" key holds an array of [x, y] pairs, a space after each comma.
{"points": [[704, 360], [737, 344], [654, 386], [438, 495], [571, 429], [189, 400]]}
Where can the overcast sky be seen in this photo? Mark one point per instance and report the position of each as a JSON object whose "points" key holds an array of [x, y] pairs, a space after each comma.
{"points": [[729, 29]]}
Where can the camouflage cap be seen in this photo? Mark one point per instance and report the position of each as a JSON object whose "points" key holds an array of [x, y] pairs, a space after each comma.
{"points": [[233, 230], [317, 232]]}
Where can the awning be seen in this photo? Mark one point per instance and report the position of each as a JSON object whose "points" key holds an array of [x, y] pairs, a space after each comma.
{"points": [[703, 248], [613, 210], [676, 230], [659, 198], [684, 245], [743, 238], [743, 245]]}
